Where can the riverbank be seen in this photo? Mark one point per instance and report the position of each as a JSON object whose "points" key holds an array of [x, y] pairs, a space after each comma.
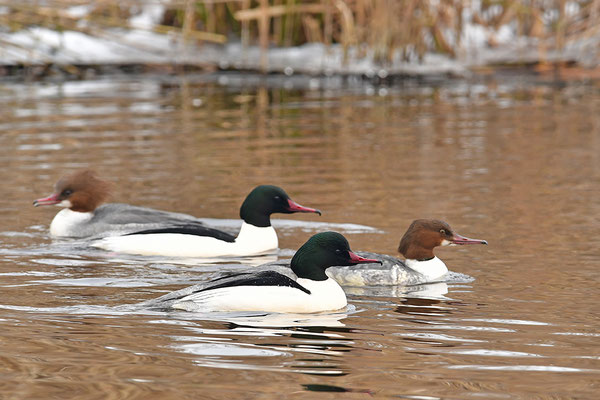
{"points": [[135, 37]]}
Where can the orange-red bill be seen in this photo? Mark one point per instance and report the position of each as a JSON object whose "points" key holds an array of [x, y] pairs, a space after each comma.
{"points": [[295, 207], [458, 239], [356, 259], [47, 201]]}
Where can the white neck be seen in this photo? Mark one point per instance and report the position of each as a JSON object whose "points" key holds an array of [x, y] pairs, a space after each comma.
{"points": [[431, 269], [66, 222], [256, 240], [324, 295]]}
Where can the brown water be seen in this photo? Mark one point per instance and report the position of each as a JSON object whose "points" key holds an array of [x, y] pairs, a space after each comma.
{"points": [[513, 162]]}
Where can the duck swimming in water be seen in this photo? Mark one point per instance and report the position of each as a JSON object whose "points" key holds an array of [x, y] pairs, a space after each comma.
{"points": [[82, 194], [420, 264], [270, 291], [256, 236]]}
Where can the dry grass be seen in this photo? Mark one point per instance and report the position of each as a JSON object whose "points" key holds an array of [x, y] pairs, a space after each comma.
{"points": [[383, 27]]}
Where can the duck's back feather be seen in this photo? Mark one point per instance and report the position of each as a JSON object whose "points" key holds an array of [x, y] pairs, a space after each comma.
{"points": [[391, 271], [118, 219], [263, 278], [118, 213], [196, 230]]}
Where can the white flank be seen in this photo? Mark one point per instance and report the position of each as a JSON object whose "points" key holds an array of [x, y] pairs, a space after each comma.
{"points": [[325, 295], [431, 269], [250, 241], [66, 222]]}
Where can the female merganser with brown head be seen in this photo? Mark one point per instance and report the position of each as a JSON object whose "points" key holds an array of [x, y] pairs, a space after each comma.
{"points": [[82, 194], [271, 291], [420, 266]]}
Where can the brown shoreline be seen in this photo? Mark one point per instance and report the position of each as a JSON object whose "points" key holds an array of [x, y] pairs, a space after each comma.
{"points": [[546, 71]]}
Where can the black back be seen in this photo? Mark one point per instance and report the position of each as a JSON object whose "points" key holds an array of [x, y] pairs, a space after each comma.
{"points": [[197, 230], [263, 278]]}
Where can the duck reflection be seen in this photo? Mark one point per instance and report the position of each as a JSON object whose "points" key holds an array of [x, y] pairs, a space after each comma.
{"points": [[309, 344], [434, 291], [427, 302]]}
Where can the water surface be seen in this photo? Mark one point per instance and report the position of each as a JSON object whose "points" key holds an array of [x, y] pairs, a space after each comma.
{"points": [[512, 161]]}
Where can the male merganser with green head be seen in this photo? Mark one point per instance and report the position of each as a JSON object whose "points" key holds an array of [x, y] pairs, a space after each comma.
{"points": [[256, 236], [271, 291]]}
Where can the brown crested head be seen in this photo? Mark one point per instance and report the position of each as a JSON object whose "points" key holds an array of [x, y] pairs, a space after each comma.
{"points": [[80, 191], [423, 235]]}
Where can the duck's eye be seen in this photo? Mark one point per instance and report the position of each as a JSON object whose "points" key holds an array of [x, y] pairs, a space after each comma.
{"points": [[67, 192], [338, 251], [443, 231], [277, 198]]}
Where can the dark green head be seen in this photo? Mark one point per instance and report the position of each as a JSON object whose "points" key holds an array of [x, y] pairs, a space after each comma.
{"points": [[324, 250], [265, 200]]}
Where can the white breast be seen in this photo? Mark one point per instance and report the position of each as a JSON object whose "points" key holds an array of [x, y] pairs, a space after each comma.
{"points": [[432, 269], [325, 296], [68, 223], [250, 241]]}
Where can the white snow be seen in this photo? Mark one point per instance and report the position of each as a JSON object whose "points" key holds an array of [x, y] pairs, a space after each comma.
{"points": [[150, 15], [139, 45]]}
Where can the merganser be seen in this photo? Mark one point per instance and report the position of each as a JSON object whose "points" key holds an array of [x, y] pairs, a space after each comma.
{"points": [[82, 193], [256, 236], [420, 266], [271, 291]]}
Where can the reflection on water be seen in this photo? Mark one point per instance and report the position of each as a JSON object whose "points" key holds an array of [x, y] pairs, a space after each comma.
{"points": [[435, 290], [271, 335], [514, 161]]}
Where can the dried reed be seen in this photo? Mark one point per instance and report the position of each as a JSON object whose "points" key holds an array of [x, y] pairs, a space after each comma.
{"points": [[384, 28]]}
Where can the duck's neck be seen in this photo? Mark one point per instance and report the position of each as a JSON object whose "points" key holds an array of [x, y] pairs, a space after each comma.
{"points": [[328, 294], [258, 240], [250, 215], [433, 268], [309, 271], [307, 265], [67, 222]]}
